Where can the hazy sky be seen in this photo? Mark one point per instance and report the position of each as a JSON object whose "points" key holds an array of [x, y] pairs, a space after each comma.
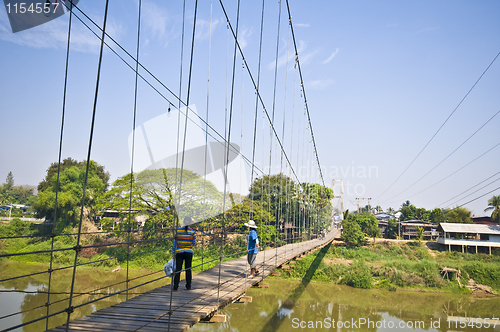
{"points": [[380, 77]]}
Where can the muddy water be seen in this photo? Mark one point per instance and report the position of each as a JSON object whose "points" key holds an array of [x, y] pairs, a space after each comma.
{"points": [[291, 306], [284, 306]]}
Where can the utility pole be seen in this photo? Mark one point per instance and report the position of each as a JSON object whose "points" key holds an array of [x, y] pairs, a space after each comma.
{"points": [[359, 198]]}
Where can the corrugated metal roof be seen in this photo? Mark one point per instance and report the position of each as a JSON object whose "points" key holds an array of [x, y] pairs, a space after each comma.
{"points": [[470, 228]]}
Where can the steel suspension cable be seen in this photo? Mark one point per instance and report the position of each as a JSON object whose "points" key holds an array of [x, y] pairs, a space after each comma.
{"points": [[59, 166], [304, 92], [184, 145], [70, 307], [272, 121], [206, 131], [133, 138], [228, 140]]}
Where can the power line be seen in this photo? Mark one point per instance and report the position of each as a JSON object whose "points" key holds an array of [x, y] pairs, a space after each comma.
{"points": [[446, 156], [439, 129], [472, 200], [468, 189], [476, 191], [455, 171]]}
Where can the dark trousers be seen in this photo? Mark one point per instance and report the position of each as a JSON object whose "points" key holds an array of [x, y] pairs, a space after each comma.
{"points": [[187, 259]]}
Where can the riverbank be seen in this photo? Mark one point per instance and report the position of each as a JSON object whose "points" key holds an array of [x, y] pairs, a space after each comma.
{"points": [[399, 265]]}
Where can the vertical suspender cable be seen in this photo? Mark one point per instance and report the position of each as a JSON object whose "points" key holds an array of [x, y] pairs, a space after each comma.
{"points": [[133, 141], [281, 158], [52, 235], [256, 103], [78, 247], [206, 134], [228, 142], [176, 213], [185, 134], [272, 124], [256, 112]]}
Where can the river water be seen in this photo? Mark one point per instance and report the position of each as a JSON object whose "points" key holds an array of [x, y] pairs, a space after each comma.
{"points": [[284, 306]]}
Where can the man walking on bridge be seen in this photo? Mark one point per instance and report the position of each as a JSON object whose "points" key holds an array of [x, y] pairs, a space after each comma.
{"points": [[182, 251], [252, 247]]}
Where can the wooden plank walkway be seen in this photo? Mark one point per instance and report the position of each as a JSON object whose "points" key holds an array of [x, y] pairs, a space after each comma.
{"points": [[150, 311]]}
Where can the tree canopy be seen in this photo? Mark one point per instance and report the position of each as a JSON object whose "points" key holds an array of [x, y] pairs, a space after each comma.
{"points": [[69, 197], [459, 215]]}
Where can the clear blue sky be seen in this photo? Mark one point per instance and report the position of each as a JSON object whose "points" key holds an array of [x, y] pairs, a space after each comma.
{"points": [[380, 77]]}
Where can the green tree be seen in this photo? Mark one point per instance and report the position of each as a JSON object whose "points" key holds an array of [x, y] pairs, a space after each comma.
{"points": [[9, 181], [351, 232], [368, 224], [437, 216], [494, 204], [420, 235], [459, 215], [392, 228], [69, 198], [276, 192], [408, 211], [391, 211], [156, 192], [68, 163]]}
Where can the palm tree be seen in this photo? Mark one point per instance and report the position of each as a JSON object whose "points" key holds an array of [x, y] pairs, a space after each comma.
{"points": [[494, 204]]}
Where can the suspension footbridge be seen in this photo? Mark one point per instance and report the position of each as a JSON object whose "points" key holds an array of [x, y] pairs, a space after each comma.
{"points": [[163, 310]]}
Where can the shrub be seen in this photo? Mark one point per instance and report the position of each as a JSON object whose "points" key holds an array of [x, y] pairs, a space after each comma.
{"points": [[358, 276]]}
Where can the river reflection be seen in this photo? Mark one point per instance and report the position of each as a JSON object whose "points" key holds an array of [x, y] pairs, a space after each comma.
{"points": [[31, 302], [285, 306], [289, 306]]}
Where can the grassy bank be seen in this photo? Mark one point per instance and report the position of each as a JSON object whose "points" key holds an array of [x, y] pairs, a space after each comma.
{"points": [[403, 265]]}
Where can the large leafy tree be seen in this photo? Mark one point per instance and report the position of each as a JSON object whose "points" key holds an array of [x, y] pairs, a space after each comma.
{"points": [[158, 193], [70, 193], [459, 215], [68, 163]]}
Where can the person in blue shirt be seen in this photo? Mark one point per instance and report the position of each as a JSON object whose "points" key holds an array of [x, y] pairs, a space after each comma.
{"points": [[252, 247]]}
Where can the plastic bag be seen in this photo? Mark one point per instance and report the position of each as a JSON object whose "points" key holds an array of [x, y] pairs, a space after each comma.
{"points": [[169, 268]]}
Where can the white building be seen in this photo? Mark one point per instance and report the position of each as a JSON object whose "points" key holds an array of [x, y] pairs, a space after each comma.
{"points": [[469, 236]]}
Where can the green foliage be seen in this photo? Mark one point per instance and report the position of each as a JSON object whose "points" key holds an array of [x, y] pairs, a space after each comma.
{"points": [[351, 232], [11, 194], [69, 197], [437, 216], [368, 224], [459, 215], [17, 227], [358, 275], [308, 202], [392, 228], [494, 204], [69, 163], [484, 273], [420, 234]]}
